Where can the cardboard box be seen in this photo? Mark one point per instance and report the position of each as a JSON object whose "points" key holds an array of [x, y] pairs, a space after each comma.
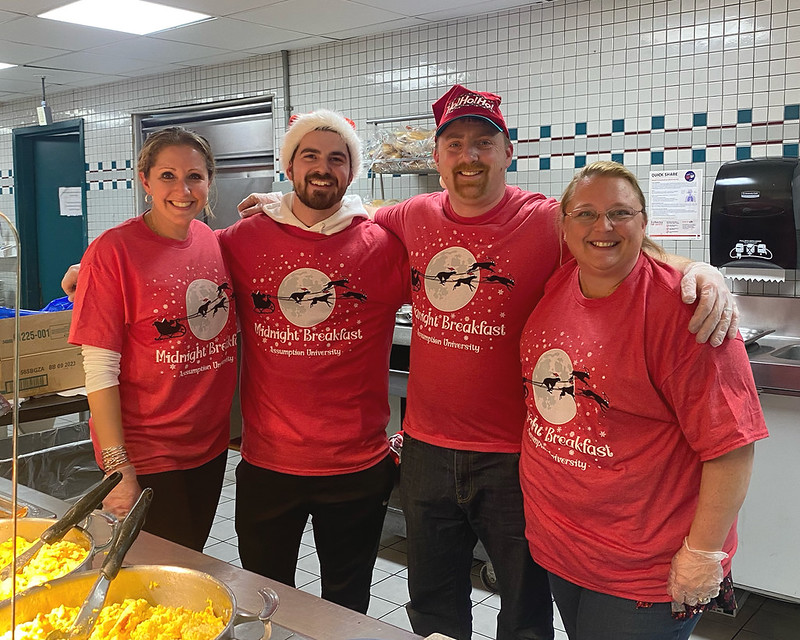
{"points": [[47, 362]]}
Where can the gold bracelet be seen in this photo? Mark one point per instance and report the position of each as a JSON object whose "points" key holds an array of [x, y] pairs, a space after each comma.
{"points": [[114, 457]]}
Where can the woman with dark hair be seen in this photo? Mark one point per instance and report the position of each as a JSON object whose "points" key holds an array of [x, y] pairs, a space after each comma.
{"points": [[638, 445], [154, 315]]}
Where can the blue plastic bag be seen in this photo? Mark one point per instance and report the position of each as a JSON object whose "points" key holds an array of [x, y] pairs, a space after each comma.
{"points": [[59, 304]]}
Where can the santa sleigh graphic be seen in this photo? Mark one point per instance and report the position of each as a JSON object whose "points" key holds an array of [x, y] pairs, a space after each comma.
{"points": [[168, 329]]}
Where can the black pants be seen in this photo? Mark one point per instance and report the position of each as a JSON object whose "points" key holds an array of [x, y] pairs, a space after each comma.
{"points": [[347, 513], [185, 502]]}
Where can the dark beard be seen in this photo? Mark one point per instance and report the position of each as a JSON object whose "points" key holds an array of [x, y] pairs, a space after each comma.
{"points": [[319, 199]]}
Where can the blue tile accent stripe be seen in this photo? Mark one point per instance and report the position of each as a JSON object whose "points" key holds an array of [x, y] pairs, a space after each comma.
{"points": [[607, 145]]}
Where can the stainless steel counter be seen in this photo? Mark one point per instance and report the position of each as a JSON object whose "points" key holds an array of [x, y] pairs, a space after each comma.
{"points": [[773, 373], [300, 615]]}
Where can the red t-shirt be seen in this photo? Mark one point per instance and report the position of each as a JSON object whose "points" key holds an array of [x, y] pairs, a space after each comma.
{"points": [[317, 315], [474, 282], [623, 409], [165, 305]]}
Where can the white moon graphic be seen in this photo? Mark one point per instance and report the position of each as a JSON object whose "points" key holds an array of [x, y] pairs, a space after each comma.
{"points": [[552, 388], [207, 309], [448, 283], [303, 301]]}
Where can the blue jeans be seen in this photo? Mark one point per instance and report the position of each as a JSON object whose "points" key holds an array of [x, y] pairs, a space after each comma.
{"points": [[451, 499], [590, 615]]}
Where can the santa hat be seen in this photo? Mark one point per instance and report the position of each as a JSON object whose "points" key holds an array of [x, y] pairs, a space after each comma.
{"points": [[301, 124]]}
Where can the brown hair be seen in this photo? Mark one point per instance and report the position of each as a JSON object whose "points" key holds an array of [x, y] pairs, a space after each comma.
{"points": [[175, 137], [607, 169]]}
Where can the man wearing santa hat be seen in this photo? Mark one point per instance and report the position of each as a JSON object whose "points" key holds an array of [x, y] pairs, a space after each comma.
{"points": [[317, 286]]}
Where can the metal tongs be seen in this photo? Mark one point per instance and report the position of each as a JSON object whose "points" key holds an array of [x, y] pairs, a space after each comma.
{"points": [[91, 607], [77, 512]]}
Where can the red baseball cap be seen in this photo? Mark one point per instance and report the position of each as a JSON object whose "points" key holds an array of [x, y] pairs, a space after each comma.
{"points": [[461, 102]]}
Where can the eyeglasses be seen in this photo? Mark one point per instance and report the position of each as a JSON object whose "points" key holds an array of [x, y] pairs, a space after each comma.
{"points": [[614, 216]]}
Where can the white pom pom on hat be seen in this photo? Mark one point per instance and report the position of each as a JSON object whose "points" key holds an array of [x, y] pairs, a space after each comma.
{"points": [[301, 124]]}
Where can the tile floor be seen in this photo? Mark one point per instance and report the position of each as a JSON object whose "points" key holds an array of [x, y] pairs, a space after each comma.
{"points": [[759, 619]]}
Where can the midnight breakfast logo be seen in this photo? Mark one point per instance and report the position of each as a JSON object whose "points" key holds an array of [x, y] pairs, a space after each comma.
{"points": [[453, 276], [558, 387], [306, 297], [211, 306], [560, 390]]}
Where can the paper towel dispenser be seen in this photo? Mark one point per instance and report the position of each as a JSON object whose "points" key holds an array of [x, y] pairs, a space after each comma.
{"points": [[755, 214]]}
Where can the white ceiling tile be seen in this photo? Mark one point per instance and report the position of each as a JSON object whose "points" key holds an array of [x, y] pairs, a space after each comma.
{"points": [[400, 23], [315, 18], [21, 86], [157, 50], [413, 7], [61, 35], [301, 42], [92, 63], [221, 7], [226, 33], [31, 7], [19, 53]]}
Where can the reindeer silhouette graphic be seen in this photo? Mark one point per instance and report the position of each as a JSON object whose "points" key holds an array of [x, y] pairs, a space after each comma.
{"points": [[602, 401], [221, 305], [482, 265], [298, 296], [550, 383], [203, 308], [508, 283], [355, 295], [444, 276], [336, 283], [467, 281], [324, 298], [583, 375]]}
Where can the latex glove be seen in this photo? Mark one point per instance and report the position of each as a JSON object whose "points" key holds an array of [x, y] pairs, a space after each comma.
{"points": [[122, 498], [254, 203], [695, 576], [69, 282], [717, 315]]}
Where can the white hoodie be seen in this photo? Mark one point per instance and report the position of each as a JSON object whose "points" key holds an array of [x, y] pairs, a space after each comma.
{"points": [[352, 207]]}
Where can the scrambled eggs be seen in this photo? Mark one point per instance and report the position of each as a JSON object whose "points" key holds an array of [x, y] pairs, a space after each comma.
{"points": [[129, 620], [51, 561]]}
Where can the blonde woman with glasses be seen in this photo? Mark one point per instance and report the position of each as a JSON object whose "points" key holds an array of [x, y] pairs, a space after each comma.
{"points": [[638, 445]]}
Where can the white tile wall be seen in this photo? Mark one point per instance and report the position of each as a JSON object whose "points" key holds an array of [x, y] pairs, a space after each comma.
{"points": [[566, 62]]}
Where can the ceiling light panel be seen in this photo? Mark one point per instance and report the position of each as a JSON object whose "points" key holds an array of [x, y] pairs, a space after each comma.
{"points": [[130, 16]]}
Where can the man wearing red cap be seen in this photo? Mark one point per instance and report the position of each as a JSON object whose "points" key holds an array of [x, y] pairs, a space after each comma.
{"points": [[480, 253]]}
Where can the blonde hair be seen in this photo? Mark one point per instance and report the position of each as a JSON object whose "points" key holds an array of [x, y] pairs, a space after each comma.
{"points": [[607, 169], [175, 137]]}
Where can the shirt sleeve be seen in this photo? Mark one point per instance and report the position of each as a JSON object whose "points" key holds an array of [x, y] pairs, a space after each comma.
{"points": [[714, 397], [98, 317]]}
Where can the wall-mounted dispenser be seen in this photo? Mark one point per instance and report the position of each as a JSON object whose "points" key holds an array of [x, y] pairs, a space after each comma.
{"points": [[755, 218]]}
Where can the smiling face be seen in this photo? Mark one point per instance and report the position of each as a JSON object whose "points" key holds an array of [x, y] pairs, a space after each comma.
{"points": [[320, 172], [606, 254], [472, 157], [178, 180]]}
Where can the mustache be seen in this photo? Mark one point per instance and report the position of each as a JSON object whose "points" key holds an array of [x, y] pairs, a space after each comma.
{"points": [[327, 177], [470, 167]]}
